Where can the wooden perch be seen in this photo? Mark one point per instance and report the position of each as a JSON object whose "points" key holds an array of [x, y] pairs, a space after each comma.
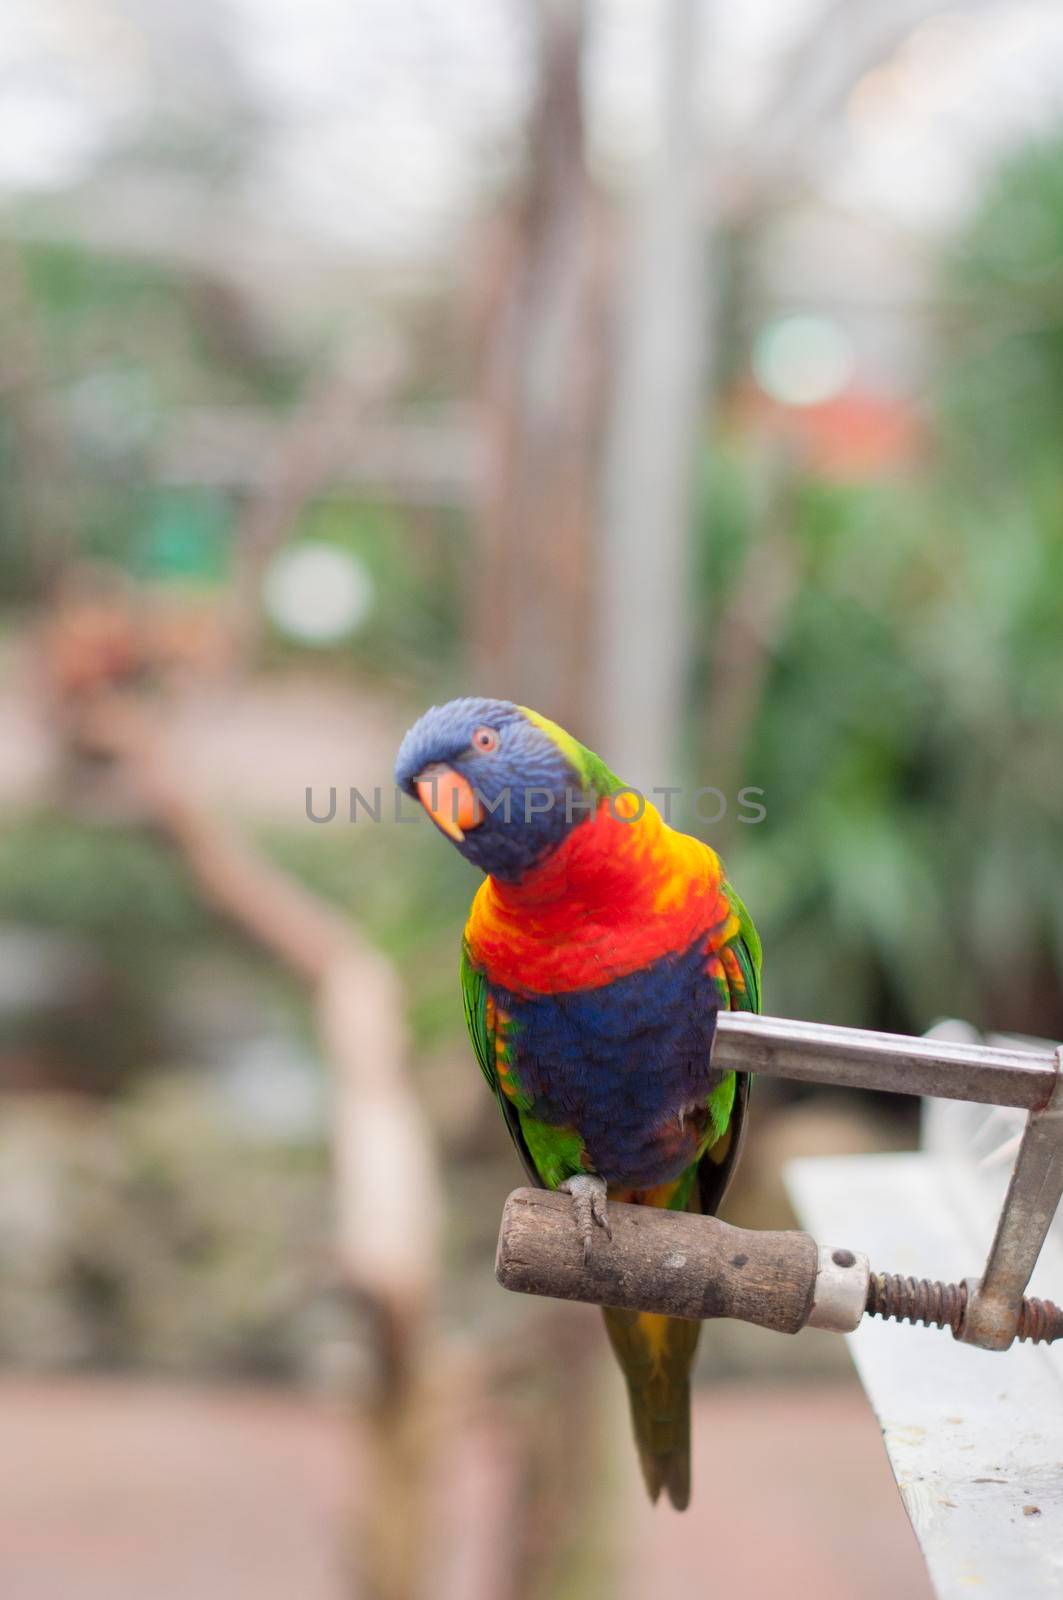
{"points": [[678, 1264]]}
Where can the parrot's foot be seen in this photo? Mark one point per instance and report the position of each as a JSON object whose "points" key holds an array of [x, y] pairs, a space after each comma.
{"points": [[588, 1202]]}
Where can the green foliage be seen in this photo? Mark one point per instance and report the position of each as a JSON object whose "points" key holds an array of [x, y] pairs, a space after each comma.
{"points": [[113, 884], [121, 900], [1001, 399], [186, 535], [910, 735], [408, 890], [118, 344], [168, 1237], [99, 312], [411, 634]]}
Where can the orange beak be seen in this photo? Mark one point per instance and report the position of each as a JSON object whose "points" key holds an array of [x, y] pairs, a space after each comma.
{"points": [[449, 800]]}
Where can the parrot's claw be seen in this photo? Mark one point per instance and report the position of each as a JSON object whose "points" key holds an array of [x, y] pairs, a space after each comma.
{"points": [[588, 1202]]}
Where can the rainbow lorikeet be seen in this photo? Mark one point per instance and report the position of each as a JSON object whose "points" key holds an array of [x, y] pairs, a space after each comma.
{"points": [[598, 951]]}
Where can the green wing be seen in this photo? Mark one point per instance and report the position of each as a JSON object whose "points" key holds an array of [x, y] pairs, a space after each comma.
{"points": [[746, 947], [717, 1165], [474, 996]]}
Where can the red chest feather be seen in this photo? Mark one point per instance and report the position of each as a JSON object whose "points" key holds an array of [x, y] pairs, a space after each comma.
{"points": [[619, 893]]}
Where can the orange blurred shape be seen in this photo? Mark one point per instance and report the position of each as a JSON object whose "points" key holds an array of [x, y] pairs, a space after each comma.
{"points": [[855, 436], [90, 644]]}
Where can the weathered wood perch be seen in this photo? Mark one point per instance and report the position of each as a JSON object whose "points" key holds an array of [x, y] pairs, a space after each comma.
{"points": [[679, 1264]]}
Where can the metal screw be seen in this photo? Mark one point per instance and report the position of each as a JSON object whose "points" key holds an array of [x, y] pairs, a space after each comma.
{"points": [[942, 1305]]}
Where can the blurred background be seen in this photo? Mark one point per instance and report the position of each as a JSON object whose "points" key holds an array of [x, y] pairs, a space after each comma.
{"points": [[692, 372]]}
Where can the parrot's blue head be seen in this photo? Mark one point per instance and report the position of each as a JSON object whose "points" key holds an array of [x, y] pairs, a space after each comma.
{"points": [[500, 781]]}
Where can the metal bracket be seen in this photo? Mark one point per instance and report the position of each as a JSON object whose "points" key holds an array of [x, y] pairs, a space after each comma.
{"points": [[994, 1305], [995, 1073]]}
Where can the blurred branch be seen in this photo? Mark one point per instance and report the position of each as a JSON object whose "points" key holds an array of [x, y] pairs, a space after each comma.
{"points": [[409, 457], [388, 1203], [428, 1402]]}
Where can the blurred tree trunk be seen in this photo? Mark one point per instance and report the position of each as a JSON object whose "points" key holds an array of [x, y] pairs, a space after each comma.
{"points": [[642, 621], [540, 396], [580, 601]]}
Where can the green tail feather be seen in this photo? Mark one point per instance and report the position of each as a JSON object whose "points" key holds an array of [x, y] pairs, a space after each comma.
{"points": [[656, 1354]]}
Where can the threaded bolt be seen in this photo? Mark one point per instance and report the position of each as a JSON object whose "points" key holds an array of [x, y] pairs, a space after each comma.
{"points": [[942, 1305], [1040, 1321], [916, 1300]]}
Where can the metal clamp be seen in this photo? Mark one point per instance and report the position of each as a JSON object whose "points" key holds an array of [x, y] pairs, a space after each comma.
{"points": [[994, 1305], [990, 1312]]}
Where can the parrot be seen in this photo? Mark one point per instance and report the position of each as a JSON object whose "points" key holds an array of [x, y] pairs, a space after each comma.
{"points": [[599, 949]]}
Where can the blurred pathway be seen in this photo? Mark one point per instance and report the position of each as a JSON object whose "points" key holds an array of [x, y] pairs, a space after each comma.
{"points": [[792, 1495], [113, 1490]]}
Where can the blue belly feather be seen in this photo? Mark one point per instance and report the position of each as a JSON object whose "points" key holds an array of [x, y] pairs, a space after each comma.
{"points": [[626, 1066]]}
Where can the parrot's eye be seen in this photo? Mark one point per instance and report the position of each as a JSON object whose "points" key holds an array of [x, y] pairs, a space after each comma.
{"points": [[485, 740]]}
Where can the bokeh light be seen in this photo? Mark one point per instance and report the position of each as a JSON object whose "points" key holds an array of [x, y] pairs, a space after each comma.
{"points": [[803, 360], [317, 594]]}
